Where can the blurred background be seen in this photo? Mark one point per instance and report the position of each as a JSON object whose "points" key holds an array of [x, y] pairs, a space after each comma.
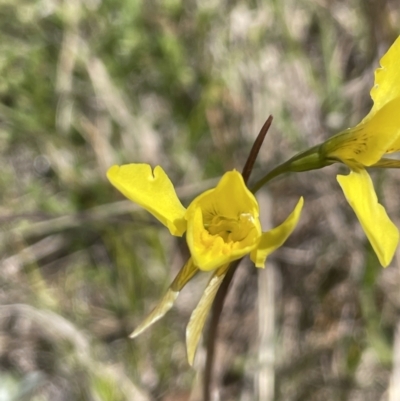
{"points": [[86, 84]]}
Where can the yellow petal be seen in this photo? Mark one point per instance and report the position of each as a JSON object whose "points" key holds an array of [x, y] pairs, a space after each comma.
{"points": [[395, 122], [273, 239], [387, 78], [152, 190], [381, 232], [165, 304], [185, 274], [229, 198], [199, 315], [223, 223], [368, 141]]}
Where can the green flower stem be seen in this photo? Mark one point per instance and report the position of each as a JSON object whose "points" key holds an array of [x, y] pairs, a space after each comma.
{"points": [[311, 159]]}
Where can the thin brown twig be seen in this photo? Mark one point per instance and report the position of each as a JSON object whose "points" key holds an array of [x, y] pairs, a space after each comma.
{"points": [[248, 167], [223, 290]]}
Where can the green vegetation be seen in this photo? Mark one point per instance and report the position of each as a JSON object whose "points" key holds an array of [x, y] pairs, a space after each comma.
{"points": [[185, 84]]}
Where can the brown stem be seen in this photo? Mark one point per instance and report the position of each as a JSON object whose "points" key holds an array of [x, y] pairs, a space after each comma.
{"points": [[248, 167], [223, 290]]}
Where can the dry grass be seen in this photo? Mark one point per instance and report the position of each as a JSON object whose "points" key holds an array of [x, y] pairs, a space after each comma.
{"points": [[187, 85]]}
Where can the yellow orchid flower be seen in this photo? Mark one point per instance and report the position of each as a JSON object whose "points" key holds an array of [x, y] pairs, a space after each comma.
{"points": [[221, 225], [364, 146]]}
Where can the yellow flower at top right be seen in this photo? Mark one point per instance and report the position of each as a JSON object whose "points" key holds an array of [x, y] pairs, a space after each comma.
{"points": [[364, 146]]}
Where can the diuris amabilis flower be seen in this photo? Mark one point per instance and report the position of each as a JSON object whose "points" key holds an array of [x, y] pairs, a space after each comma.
{"points": [[364, 146], [221, 225]]}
